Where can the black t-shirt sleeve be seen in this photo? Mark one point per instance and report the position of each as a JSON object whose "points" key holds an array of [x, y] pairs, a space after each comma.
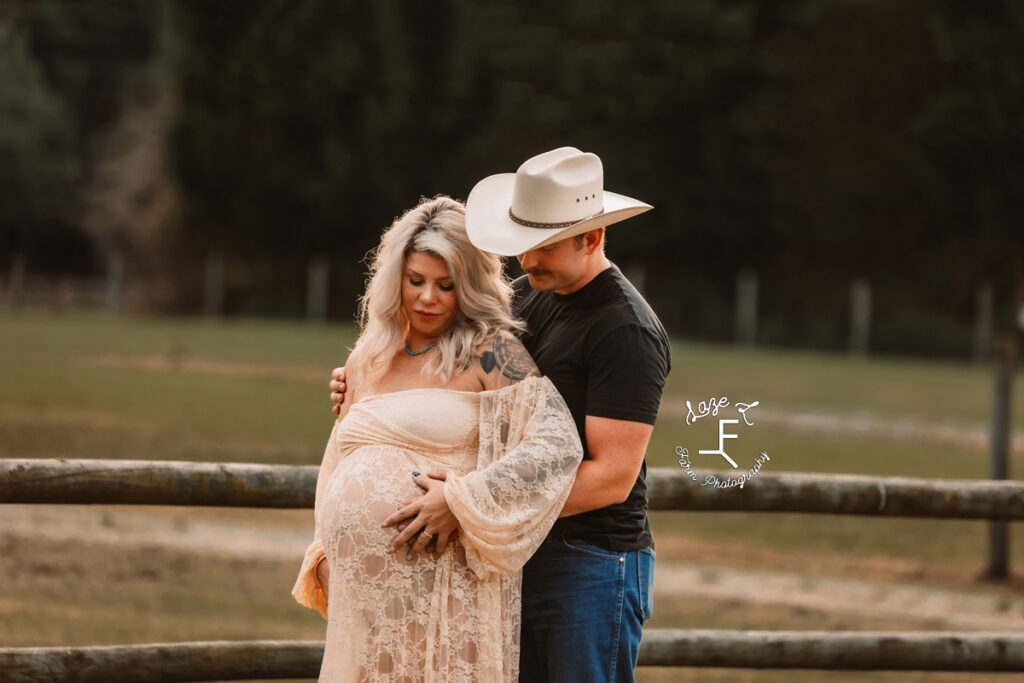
{"points": [[626, 371]]}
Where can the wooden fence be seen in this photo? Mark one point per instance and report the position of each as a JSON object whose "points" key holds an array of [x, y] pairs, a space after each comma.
{"points": [[276, 486], [267, 659]]}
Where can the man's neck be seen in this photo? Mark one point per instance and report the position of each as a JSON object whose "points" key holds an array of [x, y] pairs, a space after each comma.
{"points": [[596, 265]]}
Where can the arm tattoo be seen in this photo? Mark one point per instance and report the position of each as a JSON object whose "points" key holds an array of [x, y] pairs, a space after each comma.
{"points": [[511, 357], [487, 362]]}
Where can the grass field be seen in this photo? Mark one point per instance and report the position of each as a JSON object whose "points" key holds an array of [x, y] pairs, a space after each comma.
{"points": [[255, 391]]}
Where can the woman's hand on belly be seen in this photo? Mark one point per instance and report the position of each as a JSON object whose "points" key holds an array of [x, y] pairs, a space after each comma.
{"points": [[428, 516]]}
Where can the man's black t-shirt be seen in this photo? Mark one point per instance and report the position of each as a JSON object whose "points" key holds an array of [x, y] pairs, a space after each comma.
{"points": [[606, 352]]}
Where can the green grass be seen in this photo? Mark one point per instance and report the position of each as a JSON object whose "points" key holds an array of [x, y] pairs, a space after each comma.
{"points": [[63, 394], [82, 374], [90, 386], [940, 391], [797, 451], [78, 386], [247, 340]]}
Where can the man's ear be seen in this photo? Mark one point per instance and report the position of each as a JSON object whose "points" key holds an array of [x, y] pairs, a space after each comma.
{"points": [[592, 240]]}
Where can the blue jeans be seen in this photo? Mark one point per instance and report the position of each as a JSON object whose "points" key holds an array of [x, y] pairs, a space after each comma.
{"points": [[583, 611]]}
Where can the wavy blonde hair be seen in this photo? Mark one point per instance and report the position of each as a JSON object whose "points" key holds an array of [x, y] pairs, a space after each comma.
{"points": [[436, 227]]}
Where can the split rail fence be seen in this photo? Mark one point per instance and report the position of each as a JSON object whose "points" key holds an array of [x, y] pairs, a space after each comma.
{"points": [[278, 486]]}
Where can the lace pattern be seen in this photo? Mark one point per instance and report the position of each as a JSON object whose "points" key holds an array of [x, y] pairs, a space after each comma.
{"points": [[514, 453]]}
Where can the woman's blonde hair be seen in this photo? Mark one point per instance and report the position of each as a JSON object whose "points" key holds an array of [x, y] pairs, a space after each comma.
{"points": [[437, 227]]}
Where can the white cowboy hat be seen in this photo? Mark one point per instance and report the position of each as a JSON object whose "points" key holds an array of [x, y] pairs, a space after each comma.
{"points": [[554, 195]]}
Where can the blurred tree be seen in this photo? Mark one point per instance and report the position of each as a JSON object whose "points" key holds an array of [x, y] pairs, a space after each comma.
{"points": [[132, 207], [65, 67], [90, 54], [846, 199], [278, 139], [972, 142], [816, 142], [307, 127], [39, 165]]}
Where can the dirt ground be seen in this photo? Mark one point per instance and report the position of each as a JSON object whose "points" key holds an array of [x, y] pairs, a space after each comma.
{"points": [[862, 591]]}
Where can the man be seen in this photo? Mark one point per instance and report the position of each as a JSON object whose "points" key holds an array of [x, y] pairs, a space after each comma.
{"points": [[587, 590]]}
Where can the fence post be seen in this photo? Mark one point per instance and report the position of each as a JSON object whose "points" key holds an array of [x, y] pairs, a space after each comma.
{"points": [[860, 317], [213, 286], [746, 307], [999, 557], [17, 280], [113, 296], [316, 289], [983, 323]]}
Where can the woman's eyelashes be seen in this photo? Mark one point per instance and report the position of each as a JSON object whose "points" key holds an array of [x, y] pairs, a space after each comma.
{"points": [[443, 288]]}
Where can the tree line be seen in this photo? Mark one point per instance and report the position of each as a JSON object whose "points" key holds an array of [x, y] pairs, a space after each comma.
{"points": [[815, 143]]}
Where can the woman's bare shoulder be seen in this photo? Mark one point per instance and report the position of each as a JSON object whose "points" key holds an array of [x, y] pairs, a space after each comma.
{"points": [[503, 361]]}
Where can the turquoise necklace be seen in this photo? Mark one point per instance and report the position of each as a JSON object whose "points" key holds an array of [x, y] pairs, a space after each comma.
{"points": [[416, 353]]}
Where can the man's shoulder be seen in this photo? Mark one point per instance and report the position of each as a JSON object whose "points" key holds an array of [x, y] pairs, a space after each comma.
{"points": [[627, 308]]}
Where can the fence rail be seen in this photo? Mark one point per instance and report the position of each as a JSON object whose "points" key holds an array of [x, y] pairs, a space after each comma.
{"points": [[282, 486], [156, 482], [144, 482], [268, 659]]}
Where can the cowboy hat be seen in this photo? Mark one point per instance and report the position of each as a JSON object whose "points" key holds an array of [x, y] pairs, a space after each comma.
{"points": [[554, 195]]}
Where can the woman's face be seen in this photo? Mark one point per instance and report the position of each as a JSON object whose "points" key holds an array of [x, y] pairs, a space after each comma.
{"points": [[428, 296]]}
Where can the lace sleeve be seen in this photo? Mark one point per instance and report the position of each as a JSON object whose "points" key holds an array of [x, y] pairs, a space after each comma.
{"points": [[529, 452], [307, 590]]}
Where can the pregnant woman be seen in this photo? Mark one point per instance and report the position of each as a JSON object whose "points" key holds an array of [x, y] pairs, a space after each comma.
{"points": [[437, 383]]}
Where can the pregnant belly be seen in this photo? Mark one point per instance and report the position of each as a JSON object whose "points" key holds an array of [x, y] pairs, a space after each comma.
{"points": [[369, 580], [367, 487]]}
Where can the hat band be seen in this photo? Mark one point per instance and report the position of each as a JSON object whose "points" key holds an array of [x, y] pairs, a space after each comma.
{"points": [[550, 226]]}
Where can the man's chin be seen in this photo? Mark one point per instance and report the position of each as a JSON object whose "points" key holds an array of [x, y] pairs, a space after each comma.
{"points": [[541, 283]]}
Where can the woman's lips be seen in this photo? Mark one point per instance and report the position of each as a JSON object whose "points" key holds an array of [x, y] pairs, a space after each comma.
{"points": [[424, 314]]}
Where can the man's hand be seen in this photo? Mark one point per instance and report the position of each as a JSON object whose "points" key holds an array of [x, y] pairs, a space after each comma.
{"points": [[431, 545], [439, 475], [337, 389], [428, 517], [323, 575]]}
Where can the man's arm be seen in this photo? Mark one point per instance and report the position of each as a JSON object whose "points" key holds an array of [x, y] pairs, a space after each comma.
{"points": [[616, 450]]}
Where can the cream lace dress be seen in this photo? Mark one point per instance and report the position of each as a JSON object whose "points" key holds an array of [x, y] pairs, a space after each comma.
{"points": [[455, 618]]}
